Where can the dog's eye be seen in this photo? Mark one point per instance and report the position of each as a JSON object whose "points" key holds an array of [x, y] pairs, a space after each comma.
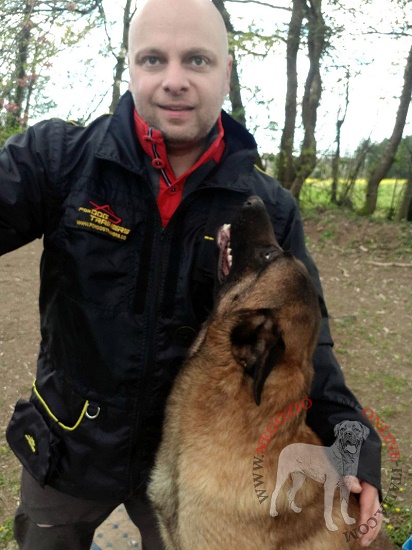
{"points": [[269, 254]]}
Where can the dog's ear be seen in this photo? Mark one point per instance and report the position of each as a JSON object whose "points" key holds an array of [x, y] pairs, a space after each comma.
{"points": [[257, 345], [338, 427], [366, 431]]}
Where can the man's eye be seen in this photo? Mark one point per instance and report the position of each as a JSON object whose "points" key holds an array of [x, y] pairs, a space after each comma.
{"points": [[151, 60], [199, 61]]}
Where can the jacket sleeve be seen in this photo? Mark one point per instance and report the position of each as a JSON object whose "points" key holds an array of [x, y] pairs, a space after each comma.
{"points": [[333, 402], [22, 196]]}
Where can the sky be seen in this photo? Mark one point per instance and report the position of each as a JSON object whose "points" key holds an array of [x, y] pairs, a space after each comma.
{"points": [[373, 96]]}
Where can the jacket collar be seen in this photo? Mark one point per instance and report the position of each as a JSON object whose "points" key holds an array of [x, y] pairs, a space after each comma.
{"points": [[120, 143], [154, 146]]}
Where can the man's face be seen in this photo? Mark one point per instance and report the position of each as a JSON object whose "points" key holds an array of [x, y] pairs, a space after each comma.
{"points": [[179, 73]]}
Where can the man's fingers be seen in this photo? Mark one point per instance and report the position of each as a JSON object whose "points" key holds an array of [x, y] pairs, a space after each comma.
{"points": [[353, 484], [370, 513]]}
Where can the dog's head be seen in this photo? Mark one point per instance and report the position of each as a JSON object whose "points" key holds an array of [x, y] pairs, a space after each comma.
{"points": [[350, 435], [267, 300]]}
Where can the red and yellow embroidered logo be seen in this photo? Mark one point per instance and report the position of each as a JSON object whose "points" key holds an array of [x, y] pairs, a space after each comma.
{"points": [[102, 218]]}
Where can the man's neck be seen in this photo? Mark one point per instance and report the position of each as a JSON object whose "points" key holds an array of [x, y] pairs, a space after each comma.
{"points": [[181, 160]]}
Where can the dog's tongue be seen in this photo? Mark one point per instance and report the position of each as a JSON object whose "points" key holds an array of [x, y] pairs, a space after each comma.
{"points": [[225, 257], [351, 449]]}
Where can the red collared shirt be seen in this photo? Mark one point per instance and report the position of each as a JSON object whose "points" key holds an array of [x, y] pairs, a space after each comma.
{"points": [[170, 188]]}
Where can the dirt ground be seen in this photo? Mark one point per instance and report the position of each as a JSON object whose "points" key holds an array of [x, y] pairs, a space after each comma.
{"points": [[367, 278]]}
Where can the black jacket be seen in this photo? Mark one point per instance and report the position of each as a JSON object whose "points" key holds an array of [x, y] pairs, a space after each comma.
{"points": [[121, 299]]}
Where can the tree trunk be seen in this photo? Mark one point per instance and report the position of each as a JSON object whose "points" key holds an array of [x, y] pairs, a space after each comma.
{"points": [[121, 58], [23, 40], [389, 153], [406, 206], [335, 164], [353, 175], [311, 99], [336, 157], [235, 97], [285, 168]]}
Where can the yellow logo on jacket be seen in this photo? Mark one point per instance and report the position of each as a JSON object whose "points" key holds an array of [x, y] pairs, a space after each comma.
{"points": [[103, 219], [32, 443]]}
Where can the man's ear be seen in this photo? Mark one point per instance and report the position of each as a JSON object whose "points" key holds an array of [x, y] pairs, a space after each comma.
{"points": [[228, 72], [257, 345]]}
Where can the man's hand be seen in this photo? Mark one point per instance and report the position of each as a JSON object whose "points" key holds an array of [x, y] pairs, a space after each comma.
{"points": [[369, 506]]}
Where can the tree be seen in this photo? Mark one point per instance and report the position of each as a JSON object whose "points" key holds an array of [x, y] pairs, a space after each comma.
{"points": [[121, 56], [336, 158], [402, 163], [285, 163], [355, 168], [313, 91], [29, 30], [235, 96], [250, 43], [389, 153], [405, 210]]}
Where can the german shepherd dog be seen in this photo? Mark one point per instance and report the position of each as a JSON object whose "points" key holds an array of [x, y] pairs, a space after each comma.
{"points": [[251, 361]]}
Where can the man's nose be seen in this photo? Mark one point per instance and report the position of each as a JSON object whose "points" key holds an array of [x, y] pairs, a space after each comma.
{"points": [[175, 78]]}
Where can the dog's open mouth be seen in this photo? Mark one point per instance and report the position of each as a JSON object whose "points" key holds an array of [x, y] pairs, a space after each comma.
{"points": [[350, 445], [225, 255]]}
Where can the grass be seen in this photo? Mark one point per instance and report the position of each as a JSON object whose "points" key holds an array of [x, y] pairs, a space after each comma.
{"points": [[6, 532], [399, 527], [390, 382], [378, 239], [9, 489]]}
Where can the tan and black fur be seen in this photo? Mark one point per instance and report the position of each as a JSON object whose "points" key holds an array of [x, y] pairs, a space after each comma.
{"points": [[252, 359]]}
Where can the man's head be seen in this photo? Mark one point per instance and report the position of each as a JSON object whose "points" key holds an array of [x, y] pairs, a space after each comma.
{"points": [[179, 68]]}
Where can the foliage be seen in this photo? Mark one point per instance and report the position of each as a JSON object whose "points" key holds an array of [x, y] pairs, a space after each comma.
{"points": [[399, 527], [6, 531], [317, 193], [403, 159], [400, 168], [5, 133], [32, 33]]}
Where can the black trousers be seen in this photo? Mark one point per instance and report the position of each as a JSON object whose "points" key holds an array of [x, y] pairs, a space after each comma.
{"points": [[50, 520]]}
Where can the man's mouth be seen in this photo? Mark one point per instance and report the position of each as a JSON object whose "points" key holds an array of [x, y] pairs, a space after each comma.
{"points": [[176, 108]]}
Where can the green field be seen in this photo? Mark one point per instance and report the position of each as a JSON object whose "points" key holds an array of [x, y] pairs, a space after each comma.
{"points": [[317, 193]]}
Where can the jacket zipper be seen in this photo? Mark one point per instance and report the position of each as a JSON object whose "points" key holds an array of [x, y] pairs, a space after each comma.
{"points": [[162, 251], [135, 457]]}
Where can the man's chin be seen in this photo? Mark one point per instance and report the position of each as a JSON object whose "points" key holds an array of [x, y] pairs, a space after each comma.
{"points": [[181, 140]]}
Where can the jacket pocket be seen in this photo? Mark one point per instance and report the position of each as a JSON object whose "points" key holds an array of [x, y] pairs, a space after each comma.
{"points": [[32, 441], [100, 245]]}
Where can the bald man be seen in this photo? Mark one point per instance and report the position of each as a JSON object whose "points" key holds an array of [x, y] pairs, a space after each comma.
{"points": [[128, 209]]}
